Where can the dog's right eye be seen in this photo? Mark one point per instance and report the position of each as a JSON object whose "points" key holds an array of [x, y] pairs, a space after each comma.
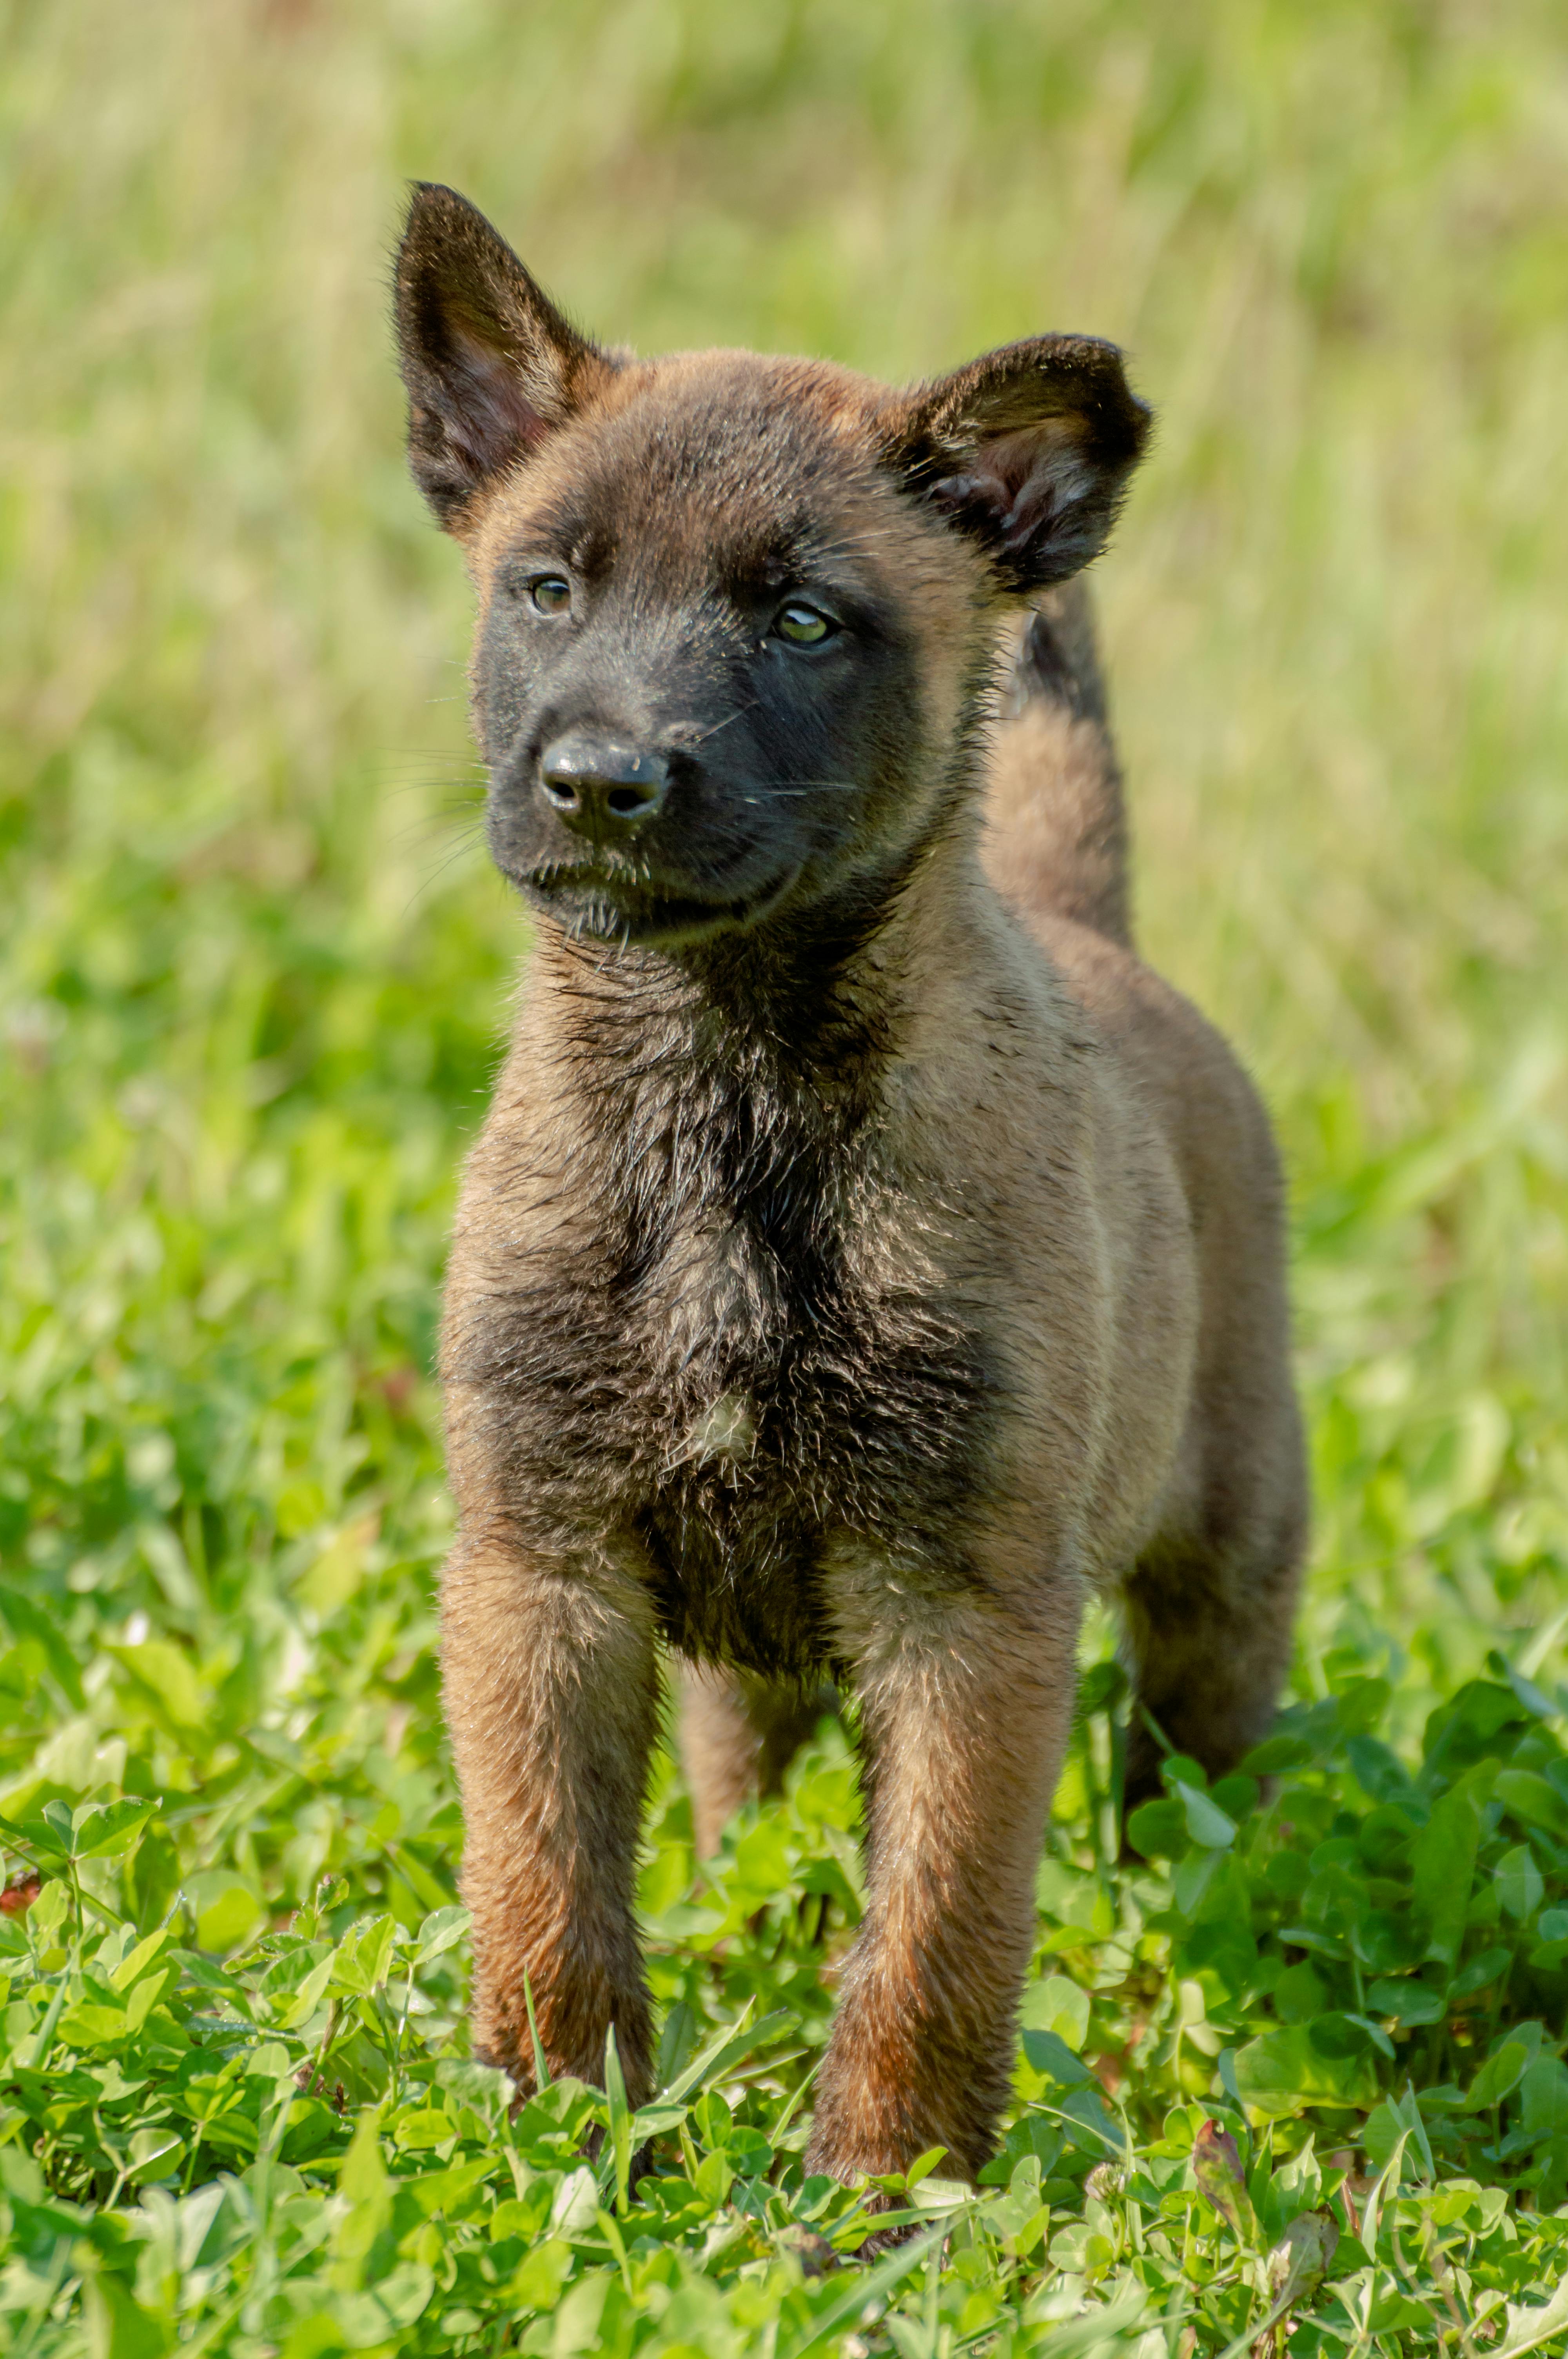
{"points": [[551, 593]]}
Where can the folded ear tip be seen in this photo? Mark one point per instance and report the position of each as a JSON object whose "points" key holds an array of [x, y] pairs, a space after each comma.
{"points": [[1028, 451], [1136, 420], [1099, 368]]}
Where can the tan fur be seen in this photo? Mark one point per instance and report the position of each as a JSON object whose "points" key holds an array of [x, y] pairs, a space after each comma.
{"points": [[738, 1735], [828, 1304], [552, 1702], [967, 1712]]}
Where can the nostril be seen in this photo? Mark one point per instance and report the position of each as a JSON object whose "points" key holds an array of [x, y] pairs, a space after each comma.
{"points": [[597, 784]]}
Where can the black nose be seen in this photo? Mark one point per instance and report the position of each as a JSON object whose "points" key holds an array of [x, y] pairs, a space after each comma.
{"points": [[600, 786]]}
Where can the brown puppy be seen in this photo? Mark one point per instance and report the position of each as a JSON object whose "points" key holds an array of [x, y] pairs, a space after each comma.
{"points": [[864, 1254]]}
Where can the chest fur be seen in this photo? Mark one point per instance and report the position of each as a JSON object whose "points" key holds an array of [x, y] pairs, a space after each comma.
{"points": [[728, 1362]]}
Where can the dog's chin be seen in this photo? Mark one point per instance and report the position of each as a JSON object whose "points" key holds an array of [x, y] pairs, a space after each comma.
{"points": [[594, 908]]}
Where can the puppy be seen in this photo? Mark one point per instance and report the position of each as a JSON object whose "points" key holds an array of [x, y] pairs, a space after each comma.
{"points": [[864, 1255]]}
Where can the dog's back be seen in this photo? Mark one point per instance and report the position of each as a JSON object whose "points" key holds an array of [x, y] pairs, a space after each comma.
{"points": [[1055, 848]]}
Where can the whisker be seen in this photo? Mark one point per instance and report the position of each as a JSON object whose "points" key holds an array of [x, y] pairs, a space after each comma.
{"points": [[702, 735], [424, 835], [456, 794], [794, 788], [427, 884]]}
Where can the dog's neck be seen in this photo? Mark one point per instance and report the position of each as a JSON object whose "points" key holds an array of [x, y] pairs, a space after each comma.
{"points": [[808, 1007]]}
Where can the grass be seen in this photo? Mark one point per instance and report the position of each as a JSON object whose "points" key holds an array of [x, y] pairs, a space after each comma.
{"points": [[253, 975]]}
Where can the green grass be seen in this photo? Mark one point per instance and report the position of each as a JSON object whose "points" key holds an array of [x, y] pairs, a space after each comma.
{"points": [[252, 977]]}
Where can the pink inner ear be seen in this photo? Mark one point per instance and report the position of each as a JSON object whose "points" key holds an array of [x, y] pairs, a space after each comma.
{"points": [[1029, 477], [496, 422]]}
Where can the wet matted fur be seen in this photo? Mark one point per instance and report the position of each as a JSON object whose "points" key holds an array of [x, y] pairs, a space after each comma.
{"points": [[864, 1254]]}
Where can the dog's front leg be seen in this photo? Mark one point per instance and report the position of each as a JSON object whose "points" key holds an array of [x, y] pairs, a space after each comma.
{"points": [[552, 1698], [966, 1707]]}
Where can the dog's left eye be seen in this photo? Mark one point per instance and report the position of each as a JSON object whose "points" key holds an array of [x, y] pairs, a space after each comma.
{"points": [[803, 626], [551, 594]]}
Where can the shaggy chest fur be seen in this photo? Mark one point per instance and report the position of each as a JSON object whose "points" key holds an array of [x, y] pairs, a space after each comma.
{"points": [[748, 1353]]}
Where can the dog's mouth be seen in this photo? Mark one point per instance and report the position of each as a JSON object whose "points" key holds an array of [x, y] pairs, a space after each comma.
{"points": [[611, 904]]}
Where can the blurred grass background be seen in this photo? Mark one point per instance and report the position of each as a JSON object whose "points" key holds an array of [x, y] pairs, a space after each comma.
{"points": [[253, 967]]}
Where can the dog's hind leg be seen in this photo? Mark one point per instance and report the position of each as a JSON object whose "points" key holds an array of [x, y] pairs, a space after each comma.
{"points": [[1207, 1634], [737, 1737], [1208, 1607]]}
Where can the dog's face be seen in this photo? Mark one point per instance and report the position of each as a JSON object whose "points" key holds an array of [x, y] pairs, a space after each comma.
{"points": [[704, 662], [734, 610]]}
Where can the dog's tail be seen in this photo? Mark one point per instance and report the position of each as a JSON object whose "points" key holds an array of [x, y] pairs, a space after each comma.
{"points": [[1056, 824]]}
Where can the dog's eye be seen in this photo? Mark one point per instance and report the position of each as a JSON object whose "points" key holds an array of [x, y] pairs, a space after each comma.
{"points": [[551, 594], [803, 626]]}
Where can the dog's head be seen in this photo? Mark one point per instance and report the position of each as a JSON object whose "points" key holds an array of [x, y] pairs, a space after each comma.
{"points": [[734, 610]]}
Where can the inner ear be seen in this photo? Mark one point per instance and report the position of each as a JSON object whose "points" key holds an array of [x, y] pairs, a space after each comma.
{"points": [[490, 423], [1028, 452], [490, 366]]}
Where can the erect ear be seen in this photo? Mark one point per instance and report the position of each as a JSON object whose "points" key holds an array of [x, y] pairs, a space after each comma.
{"points": [[490, 366], [1028, 451]]}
